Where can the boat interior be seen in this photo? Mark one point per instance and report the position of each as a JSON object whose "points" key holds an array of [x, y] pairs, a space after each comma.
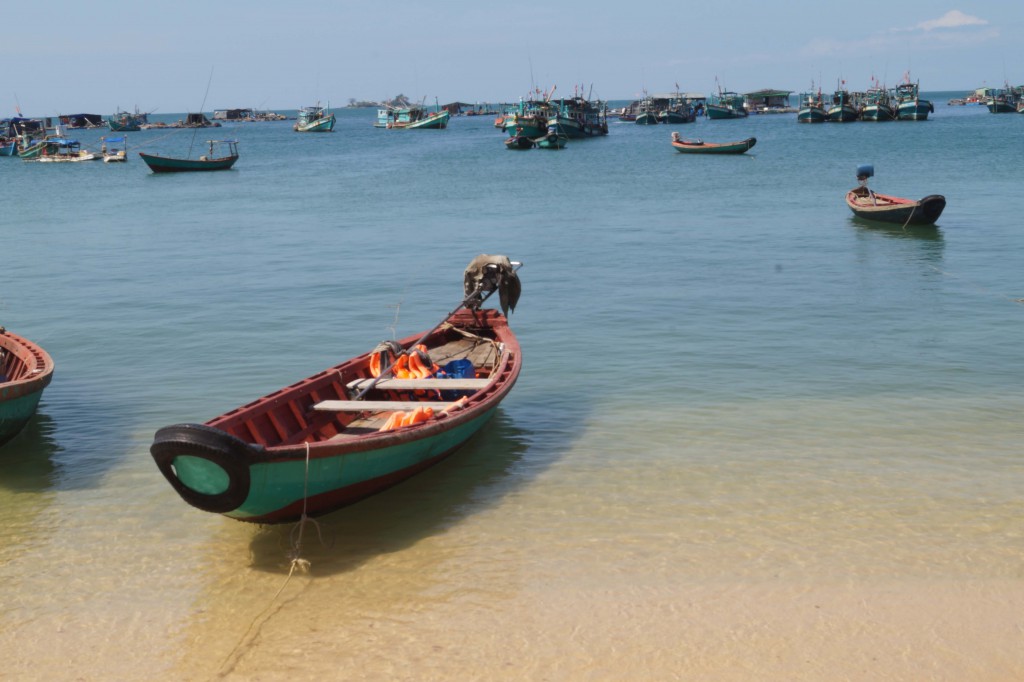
{"points": [[325, 406]]}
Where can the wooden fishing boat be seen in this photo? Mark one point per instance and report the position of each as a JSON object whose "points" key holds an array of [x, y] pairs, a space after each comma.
{"points": [[357, 428], [678, 113], [647, 114], [519, 142], [870, 205], [702, 147], [1004, 101], [25, 370], [726, 105], [553, 140], [529, 117], [412, 118], [315, 119], [812, 108], [58, 150], [114, 149], [878, 105], [909, 105], [127, 122], [166, 164], [579, 117], [8, 146], [842, 109]]}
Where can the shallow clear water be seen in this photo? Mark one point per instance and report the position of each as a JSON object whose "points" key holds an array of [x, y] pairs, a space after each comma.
{"points": [[753, 438]]}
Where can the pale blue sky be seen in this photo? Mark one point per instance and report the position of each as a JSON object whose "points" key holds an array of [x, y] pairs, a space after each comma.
{"points": [[93, 57]]}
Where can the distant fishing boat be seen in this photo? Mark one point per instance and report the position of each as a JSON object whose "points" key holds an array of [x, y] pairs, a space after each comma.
{"points": [[878, 105], [869, 205], [702, 147], [111, 152], [909, 105], [315, 119], [126, 122], [8, 146], [579, 117], [411, 118], [1004, 101], [25, 370], [679, 110], [553, 139], [647, 112], [812, 108], [519, 142], [842, 108], [529, 117], [208, 162], [725, 105], [58, 150]]}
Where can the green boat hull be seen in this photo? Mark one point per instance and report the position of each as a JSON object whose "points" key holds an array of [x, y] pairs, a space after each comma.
{"points": [[323, 125], [279, 489], [14, 414], [164, 164], [25, 371]]}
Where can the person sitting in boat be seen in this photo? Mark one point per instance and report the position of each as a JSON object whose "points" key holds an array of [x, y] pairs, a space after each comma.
{"points": [[675, 137]]}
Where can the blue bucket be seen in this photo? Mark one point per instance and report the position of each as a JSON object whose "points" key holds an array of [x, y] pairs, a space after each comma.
{"points": [[457, 369]]}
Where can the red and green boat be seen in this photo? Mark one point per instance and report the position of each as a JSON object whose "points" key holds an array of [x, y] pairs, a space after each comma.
{"points": [[25, 370], [358, 427]]}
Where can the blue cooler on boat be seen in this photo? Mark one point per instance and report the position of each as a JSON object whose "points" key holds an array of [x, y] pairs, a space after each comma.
{"points": [[457, 369]]}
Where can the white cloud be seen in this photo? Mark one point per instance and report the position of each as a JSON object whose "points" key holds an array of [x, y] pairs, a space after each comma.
{"points": [[952, 19]]}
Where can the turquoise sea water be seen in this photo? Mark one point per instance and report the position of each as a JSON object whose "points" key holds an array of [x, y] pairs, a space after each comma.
{"points": [[754, 438]]}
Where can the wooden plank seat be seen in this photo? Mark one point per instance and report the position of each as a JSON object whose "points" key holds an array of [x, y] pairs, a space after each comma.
{"points": [[377, 405], [414, 384]]}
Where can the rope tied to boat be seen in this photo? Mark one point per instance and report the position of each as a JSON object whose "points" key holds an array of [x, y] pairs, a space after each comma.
{"points": [[296, 551], [297, 562]]}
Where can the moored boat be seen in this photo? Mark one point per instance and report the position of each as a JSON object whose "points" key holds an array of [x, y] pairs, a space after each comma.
{"points": [[529, 118], [114, 149], [553, 139], [208, 162], [679, 109], [909, 105], [869, 205], [1004, 101], [842, 108], [579, 117], [8, 146], [726, 105], [127, 122], [812, 108], [58, 150], [315, 119], [411, 118], [25, 370], [519, 142], [702, 147], [359, 427], [878, 105], [647, 112]]}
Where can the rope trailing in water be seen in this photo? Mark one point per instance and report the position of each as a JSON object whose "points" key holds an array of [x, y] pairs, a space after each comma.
{"points": [[297, 562]]}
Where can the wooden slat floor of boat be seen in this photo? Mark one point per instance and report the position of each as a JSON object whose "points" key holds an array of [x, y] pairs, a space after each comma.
{"points": [[482, 352], [414, 384], [361, 427]]}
